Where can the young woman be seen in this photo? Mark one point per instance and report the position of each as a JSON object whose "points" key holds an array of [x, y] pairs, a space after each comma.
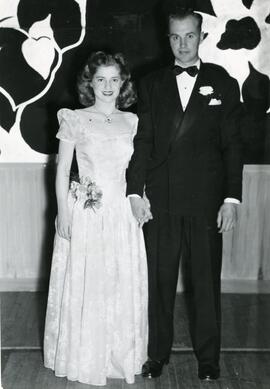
{"points": [[96, 322]]}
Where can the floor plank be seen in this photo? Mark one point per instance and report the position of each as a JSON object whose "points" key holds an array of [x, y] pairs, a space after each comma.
{"points": [[245, 322], [23, 316], [25, 370]]}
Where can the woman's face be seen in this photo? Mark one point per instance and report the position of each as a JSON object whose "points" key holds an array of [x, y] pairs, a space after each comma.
{"points": [[107, 83]]}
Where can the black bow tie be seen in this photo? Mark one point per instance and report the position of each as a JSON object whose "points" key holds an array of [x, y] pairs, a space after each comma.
{"points": [[191, 70]]}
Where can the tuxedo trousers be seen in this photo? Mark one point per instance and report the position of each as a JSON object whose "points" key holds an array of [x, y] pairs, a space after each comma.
{"points": [[196, 240]]}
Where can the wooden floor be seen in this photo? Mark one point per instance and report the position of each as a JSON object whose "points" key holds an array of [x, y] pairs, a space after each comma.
{"points": [[245, 320], [25, 370], [245, 360]]}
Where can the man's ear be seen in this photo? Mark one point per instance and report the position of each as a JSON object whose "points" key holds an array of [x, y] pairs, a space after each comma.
{"points": [[203, 36]]}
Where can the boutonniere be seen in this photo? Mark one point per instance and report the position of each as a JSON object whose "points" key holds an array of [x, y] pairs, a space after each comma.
{"points": [[215, 98], [206, 90]]}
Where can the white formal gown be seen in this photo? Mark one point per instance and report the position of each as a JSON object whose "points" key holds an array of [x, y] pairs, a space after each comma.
{"points": [[96, 322]]}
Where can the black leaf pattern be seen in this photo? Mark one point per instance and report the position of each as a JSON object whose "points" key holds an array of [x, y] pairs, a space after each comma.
{"points": [[256, 91], [247, 3], [204, 6], [240, 34], [15, 73], [7, 116], [65, 18]]}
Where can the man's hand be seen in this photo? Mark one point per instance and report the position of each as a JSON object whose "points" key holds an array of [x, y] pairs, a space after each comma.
{"points": [[227, 217], [140, 209]]}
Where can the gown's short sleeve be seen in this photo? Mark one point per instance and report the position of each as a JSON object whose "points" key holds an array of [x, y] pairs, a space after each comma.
{"points": [[68, 125]]}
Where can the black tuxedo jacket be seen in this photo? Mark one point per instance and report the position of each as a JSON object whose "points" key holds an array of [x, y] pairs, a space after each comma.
{"points": [[188, 162]]}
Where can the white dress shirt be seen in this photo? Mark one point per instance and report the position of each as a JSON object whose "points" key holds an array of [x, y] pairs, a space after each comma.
{"points": [[185, 85]]}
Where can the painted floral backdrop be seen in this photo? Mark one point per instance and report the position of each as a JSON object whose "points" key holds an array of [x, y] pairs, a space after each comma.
{"points": [[44, 43], [34, 37]]}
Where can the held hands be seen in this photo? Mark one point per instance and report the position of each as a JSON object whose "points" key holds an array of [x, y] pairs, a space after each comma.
{"points": [[141, 209], [227, 217], [63, 225]]}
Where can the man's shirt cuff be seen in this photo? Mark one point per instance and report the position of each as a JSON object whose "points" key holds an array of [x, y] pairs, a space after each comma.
{"points": [[227, 200], [231, 200]]}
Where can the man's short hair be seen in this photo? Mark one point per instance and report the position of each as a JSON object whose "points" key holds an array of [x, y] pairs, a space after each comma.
{"points": [[177, 12]]}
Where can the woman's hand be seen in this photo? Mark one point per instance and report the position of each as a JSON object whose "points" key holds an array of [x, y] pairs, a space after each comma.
{"points": [[63, 225], [63, 221], [141, 209]]}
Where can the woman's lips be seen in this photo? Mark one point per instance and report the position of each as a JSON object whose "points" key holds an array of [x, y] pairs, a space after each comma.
{"points": [[107, 93]]}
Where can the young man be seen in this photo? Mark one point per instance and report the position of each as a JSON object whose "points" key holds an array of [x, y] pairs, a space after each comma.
{"points": [[187, 156]]}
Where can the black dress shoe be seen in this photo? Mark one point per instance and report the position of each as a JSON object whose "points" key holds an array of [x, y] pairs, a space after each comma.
{"points": [[153, 368], [208, 374]]}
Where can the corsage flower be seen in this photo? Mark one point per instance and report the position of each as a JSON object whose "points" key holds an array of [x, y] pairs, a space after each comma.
{"points": [[84, 189]]}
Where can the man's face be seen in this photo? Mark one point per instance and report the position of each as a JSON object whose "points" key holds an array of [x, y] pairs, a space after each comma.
{"points": [[185, 37]]}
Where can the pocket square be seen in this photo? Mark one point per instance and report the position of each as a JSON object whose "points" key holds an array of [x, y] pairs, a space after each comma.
{"points": [[215, 102]]}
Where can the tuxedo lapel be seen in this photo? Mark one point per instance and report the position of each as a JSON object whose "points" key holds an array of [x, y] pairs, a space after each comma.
{"points": [[170, 104], [197, 103]]}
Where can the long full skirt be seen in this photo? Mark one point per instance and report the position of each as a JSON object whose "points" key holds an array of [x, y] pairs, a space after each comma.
{"points": [[96, 322]]}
